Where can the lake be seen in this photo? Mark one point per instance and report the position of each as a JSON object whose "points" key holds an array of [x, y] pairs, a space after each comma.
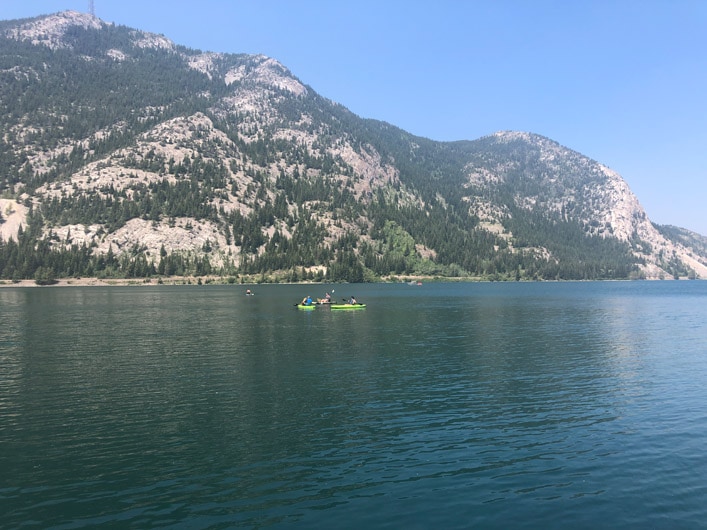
{"points": [[474, 405]]}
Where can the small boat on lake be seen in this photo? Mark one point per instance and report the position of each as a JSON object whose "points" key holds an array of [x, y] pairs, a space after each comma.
{"points": [[347, 306]]}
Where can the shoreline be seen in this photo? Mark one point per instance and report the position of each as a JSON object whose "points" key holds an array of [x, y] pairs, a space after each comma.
{"points": [[193, 280], [220, 280], [118, 282]]}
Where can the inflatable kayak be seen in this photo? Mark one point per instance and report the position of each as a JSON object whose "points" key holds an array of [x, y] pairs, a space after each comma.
{"points": [[347, 306]]}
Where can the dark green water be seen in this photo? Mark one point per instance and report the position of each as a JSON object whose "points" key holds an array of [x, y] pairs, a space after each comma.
{"points": [[544, 405]]}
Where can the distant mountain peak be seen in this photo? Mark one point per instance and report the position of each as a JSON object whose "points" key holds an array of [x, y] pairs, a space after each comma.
{"points": [[143, 39], [50, 30], [514, 135], [269, 72]]}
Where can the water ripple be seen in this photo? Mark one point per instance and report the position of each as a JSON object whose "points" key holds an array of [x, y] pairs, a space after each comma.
{"points": [[479, 406]]}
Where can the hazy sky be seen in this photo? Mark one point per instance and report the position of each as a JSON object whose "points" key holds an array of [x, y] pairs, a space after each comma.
{"points": [[623, 82]]}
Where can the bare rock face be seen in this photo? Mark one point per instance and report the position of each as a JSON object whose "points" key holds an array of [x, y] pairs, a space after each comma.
{"points": [[49, 31], [14, 217]]}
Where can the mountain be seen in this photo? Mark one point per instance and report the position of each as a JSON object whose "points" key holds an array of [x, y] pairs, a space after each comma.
{"points": [[126, 155]]}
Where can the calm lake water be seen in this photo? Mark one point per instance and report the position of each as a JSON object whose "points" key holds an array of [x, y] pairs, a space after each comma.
{"points": [[491, 405]]}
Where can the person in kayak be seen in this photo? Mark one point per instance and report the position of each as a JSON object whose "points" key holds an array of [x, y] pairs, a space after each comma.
{"points": [[352, 301], [327, 299], [307, 300]]}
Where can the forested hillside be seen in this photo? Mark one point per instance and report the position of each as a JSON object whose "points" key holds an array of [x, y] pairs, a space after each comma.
{"points": [[130, 156]]}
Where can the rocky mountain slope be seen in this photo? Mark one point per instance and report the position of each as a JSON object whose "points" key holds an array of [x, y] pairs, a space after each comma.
{"points": [[123, 153]]}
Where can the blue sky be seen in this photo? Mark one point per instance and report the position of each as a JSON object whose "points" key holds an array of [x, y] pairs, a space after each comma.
{"points": [[623, 82]]}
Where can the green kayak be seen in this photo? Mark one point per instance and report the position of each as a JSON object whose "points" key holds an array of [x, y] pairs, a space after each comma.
{"points": [[347, 306], [303, 306]]}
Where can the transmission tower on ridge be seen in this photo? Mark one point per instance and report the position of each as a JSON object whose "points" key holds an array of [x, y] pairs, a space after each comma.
{"points": [[91, 10]]}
